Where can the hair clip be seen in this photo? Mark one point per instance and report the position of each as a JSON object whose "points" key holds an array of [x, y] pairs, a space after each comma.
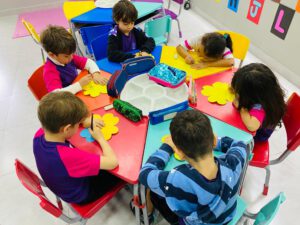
{"points": [[225, 35]]}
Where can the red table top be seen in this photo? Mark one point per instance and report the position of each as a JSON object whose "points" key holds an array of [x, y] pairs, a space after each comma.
{"points": [[128, 145], [226, 113]]}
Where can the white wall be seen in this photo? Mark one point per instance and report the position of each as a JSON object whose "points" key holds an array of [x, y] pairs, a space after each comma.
{"points": [[281, 55], [8, 7]]}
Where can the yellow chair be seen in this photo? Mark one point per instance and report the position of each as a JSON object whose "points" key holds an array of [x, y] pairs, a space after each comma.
{"points": [[240, 44], [35, 36]]}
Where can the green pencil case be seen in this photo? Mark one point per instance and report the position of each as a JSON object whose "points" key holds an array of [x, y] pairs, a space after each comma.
{"points": [[129, 111]]}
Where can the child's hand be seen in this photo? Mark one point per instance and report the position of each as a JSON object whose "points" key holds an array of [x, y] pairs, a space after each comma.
{"points": [[97, 122], [96, 133], [144, 54], [85, 80], [168, 140], [98, 79], [199, 65], [235, 102], [189, 60]]}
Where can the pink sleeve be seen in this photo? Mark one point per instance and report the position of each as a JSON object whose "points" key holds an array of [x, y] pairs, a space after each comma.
{"points": [[258, 113], [51, 77], [79, 61], [79, 163], [39, 133]]}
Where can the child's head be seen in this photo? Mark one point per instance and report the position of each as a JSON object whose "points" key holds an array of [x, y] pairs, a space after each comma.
{"points": [[256, 84], [125, 14], [192, 134], [213, 44], [61, 112], [58, 43]]}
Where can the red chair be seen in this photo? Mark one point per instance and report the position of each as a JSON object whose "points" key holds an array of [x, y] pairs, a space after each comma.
{"points": [[82, 212], [36, 83], [291, 121]]}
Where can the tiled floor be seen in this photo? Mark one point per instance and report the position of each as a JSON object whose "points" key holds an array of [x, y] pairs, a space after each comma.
{"points": [[20, 57]]}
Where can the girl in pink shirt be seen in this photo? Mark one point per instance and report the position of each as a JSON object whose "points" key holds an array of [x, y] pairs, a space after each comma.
{"points": [[259, 98], [215, 48]]}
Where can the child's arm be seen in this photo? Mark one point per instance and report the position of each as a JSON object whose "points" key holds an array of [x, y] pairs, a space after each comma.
{"points": [[109, 159], [147, 43], [184, 54], [152, 174], [251, 122], [217, 63], [114, 54]]}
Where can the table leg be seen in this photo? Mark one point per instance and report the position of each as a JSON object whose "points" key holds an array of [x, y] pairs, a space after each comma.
{"points": [[136, 208], [250, 147]]}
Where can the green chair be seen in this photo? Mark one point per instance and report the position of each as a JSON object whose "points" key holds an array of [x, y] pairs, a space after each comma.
{"points": [[268, 212], [159, 29]]}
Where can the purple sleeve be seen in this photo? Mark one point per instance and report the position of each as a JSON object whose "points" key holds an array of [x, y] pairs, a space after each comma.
{"points": [[51, 77], [258, 113], [79, 163], [79, 61]]}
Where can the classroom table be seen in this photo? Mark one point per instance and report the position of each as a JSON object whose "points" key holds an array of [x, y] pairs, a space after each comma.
{"points": [[73, 9], [104, 15], [111, 67], [227, 113]]}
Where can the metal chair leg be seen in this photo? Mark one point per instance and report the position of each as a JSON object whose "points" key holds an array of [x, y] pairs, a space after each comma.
{"points": [[267, 180]]}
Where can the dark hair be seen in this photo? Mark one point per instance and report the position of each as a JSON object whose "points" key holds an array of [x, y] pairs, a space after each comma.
{"points": [[192, 133], [58, 109], [125, 11], [214, 44], [256, 84], [58, 40]]}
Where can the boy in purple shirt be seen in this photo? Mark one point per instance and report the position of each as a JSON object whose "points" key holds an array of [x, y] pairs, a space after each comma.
{"points": [[74, 175], [124, 37], [60, 69]]}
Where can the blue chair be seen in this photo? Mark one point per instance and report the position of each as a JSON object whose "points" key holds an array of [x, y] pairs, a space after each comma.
{"points": [[99, 47], [88, 34], [159, 29]]}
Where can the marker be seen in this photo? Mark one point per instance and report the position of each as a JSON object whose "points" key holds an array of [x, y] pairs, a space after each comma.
{"points": [[92, 121]]}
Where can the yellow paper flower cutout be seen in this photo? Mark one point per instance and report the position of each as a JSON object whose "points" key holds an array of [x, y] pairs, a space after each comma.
{"points": [[218, 92], [109, 128], [94, 89]]}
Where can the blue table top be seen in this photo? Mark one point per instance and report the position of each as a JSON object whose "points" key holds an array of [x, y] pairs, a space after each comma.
{"points": [[104, 15], [111, 67], [156, 132]]}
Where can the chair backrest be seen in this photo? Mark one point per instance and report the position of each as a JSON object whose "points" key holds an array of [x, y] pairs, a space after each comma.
{"points": [[88, 34], [99, 46], [291, 120], [36, 83], [32, 183], [31, 30], [268, 212], [159, 29], [240, 44]]}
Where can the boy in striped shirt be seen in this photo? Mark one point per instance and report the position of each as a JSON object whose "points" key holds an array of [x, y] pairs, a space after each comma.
{"points": [[203, 191]]}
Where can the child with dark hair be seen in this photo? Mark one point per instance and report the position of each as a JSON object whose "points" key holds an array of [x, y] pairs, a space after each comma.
{"points": [[215, 48], [204, 190], [60, 69], [124, 37], [74, 175], [259, 98]]}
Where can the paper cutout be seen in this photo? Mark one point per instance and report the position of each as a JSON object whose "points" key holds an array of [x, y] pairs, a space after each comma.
{"points": [[233, 5], [176, 156], [282, 21], [255, 9], [170, 57], [94, 89], [108, 130], [218, 92]]}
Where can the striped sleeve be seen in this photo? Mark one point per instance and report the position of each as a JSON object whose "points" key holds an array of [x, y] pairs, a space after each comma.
{"points": [[152, 174]]}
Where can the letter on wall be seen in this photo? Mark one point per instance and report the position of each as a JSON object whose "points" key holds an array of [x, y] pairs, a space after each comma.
{"points": [[282, 21], [255, 9], [233, 5]]}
